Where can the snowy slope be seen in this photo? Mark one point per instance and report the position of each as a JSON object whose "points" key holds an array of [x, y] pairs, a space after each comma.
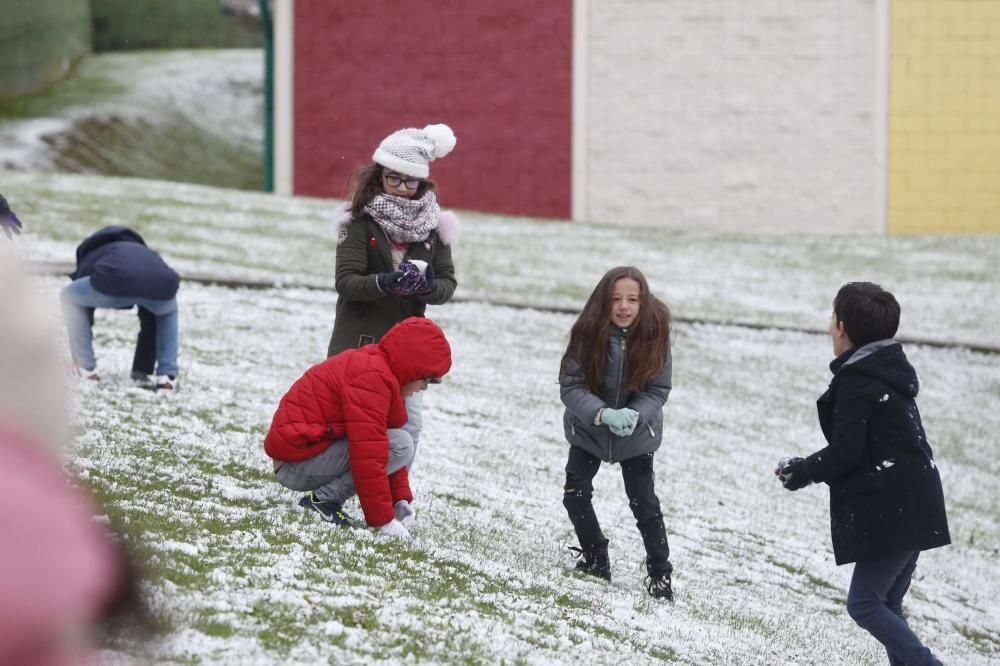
{"points": [[945, 283], [246, 577]]}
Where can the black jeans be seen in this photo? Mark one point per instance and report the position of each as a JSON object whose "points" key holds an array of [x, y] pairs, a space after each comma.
{"points": [[638, 476], [144, 361]]}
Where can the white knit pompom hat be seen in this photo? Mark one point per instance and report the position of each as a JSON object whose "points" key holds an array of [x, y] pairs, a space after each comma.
{"points": [[409, 150]]}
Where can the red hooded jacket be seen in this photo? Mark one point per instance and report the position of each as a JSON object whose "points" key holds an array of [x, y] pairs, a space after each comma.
{"points": [[356, 394]]}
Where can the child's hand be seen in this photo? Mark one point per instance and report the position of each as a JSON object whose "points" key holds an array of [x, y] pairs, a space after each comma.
{"points": [[395, 528], [405, 513], [620, 421], [429, 281], [388, 282], [792, 473], [8, 221], [627, 430], [407, 281]]}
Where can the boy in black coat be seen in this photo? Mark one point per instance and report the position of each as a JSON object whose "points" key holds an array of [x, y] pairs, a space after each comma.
{"points": [[886, 500]]}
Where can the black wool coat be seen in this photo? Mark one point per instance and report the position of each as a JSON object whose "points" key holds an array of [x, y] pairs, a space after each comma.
{"points": [[885, 490]]}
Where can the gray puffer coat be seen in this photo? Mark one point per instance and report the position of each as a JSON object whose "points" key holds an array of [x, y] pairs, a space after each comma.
{"points": [[582, 406]]}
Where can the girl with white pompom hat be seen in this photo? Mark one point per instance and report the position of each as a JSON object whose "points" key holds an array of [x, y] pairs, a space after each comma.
{"points": [[394, 244]]}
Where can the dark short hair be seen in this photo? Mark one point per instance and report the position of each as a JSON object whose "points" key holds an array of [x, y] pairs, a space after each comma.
{"points": [[868, 311]]}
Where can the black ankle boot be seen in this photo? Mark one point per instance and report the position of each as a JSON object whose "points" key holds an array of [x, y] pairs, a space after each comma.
{"points": [[659, 587], [595, 560]]}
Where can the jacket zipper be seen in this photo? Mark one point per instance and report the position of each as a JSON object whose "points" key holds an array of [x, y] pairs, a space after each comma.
{"points": [[618, 394]]}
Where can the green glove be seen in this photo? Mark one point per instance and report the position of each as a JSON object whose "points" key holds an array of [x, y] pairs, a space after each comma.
{"points": [[620, 421]]}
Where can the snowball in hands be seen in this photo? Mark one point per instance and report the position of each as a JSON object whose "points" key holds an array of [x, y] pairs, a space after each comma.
{"points": [[792, 473], [395, 528], [420, 264]]}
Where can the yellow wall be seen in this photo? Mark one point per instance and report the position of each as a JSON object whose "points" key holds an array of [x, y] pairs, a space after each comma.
{"points": [[944, 116]]}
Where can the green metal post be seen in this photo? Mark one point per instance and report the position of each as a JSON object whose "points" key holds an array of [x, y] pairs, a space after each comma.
{"points": [[268, 28]]}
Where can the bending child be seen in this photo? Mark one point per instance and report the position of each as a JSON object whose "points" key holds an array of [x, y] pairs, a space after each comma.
{"points": [[614, 380], [115, 269], [338, 430], [886, 500]]}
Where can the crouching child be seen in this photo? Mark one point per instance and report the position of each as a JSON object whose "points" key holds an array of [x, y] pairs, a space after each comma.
{"points": [[886, 500], [338, 429]]}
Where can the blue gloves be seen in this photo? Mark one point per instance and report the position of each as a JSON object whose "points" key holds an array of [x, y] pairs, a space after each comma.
{"points": [[407, 281], [11, 225], [792, 473], [620, 421]]}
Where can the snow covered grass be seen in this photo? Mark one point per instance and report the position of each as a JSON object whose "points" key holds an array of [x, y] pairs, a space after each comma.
{"points": [[948, 285], [192, 116], [244, 575]]}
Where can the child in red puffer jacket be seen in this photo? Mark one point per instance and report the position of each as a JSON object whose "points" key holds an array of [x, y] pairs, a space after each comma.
{"points": [[338, 430]]}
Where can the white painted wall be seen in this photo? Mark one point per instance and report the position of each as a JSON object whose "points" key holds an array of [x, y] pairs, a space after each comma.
{"points": [[731, 114], [284, 97]]}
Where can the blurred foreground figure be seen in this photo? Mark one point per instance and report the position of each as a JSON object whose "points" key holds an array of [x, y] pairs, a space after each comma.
{"points": [[63, 580]]}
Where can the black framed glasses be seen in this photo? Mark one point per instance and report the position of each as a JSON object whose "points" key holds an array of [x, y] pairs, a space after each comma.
{"points": [[393, 180], [433, 380]]}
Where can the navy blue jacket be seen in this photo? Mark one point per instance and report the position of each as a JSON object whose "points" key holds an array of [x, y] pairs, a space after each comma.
{"points": [[885, 490], [119, 264]]}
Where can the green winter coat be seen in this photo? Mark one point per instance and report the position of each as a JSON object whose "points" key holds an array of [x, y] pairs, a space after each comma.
{"points": [[364, 313]]}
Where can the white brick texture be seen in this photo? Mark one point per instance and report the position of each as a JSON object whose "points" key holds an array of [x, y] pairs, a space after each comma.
{"points": [[753, 115]]}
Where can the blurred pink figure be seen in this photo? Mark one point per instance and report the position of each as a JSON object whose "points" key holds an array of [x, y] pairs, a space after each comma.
{"points": [[60, 572]]}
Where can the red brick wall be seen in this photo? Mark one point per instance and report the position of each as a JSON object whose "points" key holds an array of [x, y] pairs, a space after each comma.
{"points": [[499, 73]]}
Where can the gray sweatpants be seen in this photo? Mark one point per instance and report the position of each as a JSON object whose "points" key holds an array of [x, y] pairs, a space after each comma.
{"points": [[329, 473], [414, 422]]}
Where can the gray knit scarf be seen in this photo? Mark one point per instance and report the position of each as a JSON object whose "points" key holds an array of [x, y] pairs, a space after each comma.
{"points": [[405, 220]]}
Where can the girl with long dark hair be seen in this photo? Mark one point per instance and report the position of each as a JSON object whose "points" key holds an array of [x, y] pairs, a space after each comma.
{"points": [[614, 380]]}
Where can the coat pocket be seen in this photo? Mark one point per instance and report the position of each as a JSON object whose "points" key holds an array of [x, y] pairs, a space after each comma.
{"points": [[864, 484], [865, 505]]}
